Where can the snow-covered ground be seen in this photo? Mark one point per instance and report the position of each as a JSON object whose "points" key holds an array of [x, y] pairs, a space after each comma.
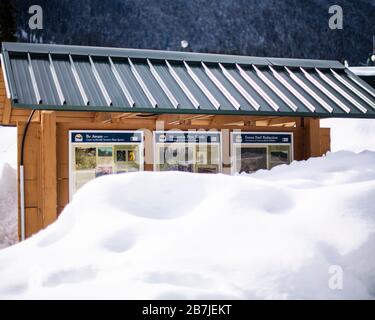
{"points": [[8, 186], [301, 231], [151, 235]]}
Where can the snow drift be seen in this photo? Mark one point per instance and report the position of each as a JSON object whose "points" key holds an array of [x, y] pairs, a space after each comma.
{"points": [[8, 187], [351, 134], [151, 235], [8, 206]]}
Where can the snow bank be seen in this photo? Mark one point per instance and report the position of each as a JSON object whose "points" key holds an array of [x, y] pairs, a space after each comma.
{"points": [[8, 206], [8, 187], [186, 236], [351, 134], [8, 146]]}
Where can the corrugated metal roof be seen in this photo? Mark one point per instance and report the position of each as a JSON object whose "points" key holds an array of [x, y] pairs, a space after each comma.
{"points": [[108, 79]]}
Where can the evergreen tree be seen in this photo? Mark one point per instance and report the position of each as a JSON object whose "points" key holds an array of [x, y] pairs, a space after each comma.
{"points": [[7, 21]]}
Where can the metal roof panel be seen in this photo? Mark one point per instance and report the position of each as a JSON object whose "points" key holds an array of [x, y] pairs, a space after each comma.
{"points": [[172, 84], [22, 79], [59, 77], [131, 83], [112, 86], [152, 84], [204, 103], [45, 81]]}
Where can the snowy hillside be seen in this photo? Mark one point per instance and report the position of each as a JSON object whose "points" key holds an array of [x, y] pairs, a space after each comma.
{"points": [[178, 235]]}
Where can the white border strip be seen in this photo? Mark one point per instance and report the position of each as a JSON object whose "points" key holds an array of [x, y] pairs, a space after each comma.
{"points": [[162, 84], [182, 85], [341, 91], [241, 89], [100, 83], [324, 104], [299, 96], [56, 80], [33, 80], [353, 89], [7, 90], [325, 91], [121, 83], [142, 84], [258, 89], [201, 86], [78, 81], [275, 89], [361, 85], [223, 90]]}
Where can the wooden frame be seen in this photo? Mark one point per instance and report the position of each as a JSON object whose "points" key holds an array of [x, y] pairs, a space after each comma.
{"points": [[46, 149]]}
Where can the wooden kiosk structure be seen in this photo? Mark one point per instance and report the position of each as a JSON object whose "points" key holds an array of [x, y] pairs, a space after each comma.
{"points": [[60, 96]]}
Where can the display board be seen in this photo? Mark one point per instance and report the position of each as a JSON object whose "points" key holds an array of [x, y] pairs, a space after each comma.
{"points": [[252, 151], [96, 153], [187, 151]]}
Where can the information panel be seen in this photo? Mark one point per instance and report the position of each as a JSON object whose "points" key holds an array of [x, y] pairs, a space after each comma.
{"points": [[96, 153], [187, 151], [252, 151]]}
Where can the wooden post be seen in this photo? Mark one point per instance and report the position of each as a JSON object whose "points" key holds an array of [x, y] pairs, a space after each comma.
{"points": [[149, 154], [48, 196], [312, 137], [7, 111], [225, 136]]}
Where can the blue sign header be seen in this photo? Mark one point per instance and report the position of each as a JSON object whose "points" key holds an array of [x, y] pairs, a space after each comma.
{"points": [[260, 138], [105, 137], [187, 137]]}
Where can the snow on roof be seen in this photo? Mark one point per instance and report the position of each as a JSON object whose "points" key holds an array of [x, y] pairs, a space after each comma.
{"points": [[363, 71]]}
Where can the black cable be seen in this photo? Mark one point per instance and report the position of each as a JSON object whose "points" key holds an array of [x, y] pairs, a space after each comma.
{"points": [[24, 135], [147, 115]]}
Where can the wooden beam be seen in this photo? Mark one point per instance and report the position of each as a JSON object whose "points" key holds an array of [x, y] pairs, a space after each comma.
{"points": [[312, 137], [128, 116], [226, 159], [48, 194], [186, 118], [200, 122], [325, 140], [262, 123], [281, 120], [102, 116], [7, 111]]}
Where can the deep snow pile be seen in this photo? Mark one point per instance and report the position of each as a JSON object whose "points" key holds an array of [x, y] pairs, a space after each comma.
{"points": [[8, 187], [8, 146], [351, 134], [8, 206], [177, 235]]}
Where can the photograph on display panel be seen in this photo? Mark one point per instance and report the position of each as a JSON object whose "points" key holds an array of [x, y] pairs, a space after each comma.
{"points": [[254, 151], [98, 153], [188, 151]]}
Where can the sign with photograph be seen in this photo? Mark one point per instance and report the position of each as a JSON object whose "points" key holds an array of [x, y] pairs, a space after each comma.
{"points": [[252, 151], [191, 151], [97, 153]]}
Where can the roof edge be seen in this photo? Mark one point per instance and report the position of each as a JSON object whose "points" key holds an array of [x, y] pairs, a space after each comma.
{"points": [[168, 55], [193, 111]]}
